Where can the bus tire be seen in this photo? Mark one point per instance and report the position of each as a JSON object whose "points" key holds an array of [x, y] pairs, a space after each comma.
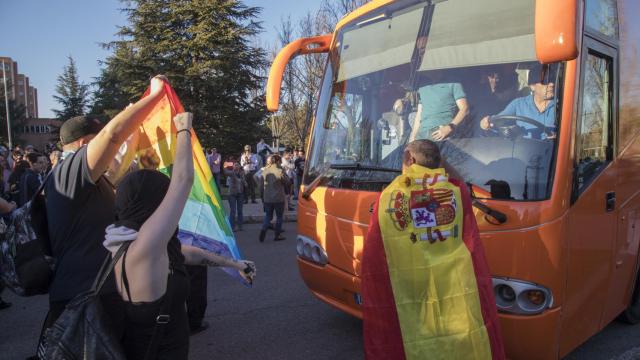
{"points": [[631, 315]]}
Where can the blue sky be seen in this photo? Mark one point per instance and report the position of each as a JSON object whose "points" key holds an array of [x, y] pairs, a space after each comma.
{"points": [[40, 34]]}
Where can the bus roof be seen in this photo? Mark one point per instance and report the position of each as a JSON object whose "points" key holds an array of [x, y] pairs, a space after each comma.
{"points": [[372, 5]]}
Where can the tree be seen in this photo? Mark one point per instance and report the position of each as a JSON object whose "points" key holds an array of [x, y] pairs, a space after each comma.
{"points": [[301, 80], [73, 95], [205, 49]]}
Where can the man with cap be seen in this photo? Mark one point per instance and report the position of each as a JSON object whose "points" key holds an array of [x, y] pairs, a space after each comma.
{"points": [[249, 163], [80, 202], [539, 106]]}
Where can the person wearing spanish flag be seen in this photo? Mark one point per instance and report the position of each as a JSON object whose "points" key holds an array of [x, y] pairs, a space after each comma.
{"points": [[426, 287]]}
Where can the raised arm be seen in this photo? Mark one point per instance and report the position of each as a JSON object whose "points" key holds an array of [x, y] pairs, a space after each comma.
{"points": [[156, 232], [104, 147]]}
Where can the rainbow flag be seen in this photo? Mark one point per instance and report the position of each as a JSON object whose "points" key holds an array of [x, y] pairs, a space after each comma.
{"points": [[426, 287], [204, 223]]}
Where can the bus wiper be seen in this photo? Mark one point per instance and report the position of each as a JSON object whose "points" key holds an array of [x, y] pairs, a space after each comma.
{"points": [[322, 179], [498, 215], [359, 166]]}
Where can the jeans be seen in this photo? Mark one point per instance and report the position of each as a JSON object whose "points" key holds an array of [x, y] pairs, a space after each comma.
{"points": [[269, 208], [296, 186], [235, 205]]}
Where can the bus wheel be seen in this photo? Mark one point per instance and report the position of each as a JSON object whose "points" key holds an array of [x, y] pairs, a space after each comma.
{"points": [[631, 314]]}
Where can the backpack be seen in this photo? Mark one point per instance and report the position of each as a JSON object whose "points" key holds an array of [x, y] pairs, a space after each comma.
{"points": [[82, 331], [26, 264]]}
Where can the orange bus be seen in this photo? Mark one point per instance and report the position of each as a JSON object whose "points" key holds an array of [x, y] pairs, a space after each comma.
{"points": [[555, 171]]}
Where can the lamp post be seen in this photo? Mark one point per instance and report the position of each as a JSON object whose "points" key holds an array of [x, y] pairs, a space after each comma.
{"points": [[6, 105]]}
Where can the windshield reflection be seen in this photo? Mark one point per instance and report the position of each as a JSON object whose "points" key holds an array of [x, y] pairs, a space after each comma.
{"points": [[491, 108]]}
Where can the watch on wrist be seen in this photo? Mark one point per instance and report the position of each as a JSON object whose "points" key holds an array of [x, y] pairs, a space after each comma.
{"points": [[452, 126]]}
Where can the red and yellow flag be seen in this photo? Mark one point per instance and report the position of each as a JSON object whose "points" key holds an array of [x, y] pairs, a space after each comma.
{"points": [[426, 287]]}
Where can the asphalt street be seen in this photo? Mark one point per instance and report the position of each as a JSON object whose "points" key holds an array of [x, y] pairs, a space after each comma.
{"points": [[277, 318]]}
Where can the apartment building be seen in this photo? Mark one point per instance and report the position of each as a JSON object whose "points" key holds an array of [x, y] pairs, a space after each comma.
{"points": [[17, 87]]}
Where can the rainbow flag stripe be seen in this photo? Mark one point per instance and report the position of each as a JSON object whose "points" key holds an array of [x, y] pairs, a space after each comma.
{"points": [[204, 223]]}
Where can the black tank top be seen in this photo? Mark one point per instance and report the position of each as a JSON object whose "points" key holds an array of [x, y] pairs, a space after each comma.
{"points": [[140, 317]]}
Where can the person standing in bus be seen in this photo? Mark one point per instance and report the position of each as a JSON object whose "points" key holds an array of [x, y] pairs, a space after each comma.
{"points": [[443, 106], [426, 286]]}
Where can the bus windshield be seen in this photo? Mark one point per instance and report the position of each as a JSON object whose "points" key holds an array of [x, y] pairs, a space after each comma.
{"points": [[408, 70]]}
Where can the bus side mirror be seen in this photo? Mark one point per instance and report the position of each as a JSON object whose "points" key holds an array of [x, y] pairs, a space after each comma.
{"points": [[315, 44], [556, 30]]}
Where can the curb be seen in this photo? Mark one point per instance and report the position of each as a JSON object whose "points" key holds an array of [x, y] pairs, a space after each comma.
{"points": [[257, 219]]}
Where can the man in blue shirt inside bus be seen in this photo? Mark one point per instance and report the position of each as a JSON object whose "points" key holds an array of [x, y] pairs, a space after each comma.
{"points": [[539, 106]]}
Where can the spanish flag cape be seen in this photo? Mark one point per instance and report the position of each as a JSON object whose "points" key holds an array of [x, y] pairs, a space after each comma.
{"points": [[426, 288]]}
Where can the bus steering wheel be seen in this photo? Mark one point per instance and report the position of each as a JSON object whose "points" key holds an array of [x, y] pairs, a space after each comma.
{"points": [[506, 126]]}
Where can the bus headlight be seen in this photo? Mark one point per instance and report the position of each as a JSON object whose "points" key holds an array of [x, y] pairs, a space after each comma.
{"points": [[521, 297], [311, 251]]}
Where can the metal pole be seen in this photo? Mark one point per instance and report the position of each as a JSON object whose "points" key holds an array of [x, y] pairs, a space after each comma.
{"points": [[6, 104], [273, 131]]}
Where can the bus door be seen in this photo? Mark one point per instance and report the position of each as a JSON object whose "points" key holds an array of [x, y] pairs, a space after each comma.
{"points": [[593, 214]]}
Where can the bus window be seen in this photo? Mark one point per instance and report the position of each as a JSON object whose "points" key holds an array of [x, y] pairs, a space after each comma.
{"points": [[594, 134], [602, 17], [407, 72]]}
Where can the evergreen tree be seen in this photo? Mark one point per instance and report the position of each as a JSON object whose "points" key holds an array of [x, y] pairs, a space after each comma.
{"points": [[72, 95], [204, 47]]}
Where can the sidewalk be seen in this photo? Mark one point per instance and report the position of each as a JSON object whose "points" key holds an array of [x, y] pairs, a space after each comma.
{"points": [[253, 213]]}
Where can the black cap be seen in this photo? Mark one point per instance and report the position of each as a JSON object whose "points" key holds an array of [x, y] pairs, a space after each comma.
{"points": [[536, 74], [77, 127]]}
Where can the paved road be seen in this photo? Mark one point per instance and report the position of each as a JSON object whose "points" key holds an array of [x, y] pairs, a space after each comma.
{"points": [[276, 319]]}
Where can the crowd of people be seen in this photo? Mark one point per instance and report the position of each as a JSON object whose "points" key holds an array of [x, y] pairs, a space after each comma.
{"points": [[23, 171], [89, 220], [268, 175]]}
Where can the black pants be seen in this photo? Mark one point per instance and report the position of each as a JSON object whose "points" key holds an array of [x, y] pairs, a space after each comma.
{"points": [[197, 299], [250, 190]]}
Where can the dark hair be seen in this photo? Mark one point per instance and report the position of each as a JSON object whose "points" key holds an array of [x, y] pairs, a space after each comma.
{"points": [[18, 170], [425, 152], [33, 157], [134, 205]]}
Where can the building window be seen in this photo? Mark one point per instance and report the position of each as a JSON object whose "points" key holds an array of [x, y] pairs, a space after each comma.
{"points": [[602, 16]]}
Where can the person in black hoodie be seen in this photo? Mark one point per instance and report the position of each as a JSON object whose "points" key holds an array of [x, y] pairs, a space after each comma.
{"points": [[152, 270]]}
